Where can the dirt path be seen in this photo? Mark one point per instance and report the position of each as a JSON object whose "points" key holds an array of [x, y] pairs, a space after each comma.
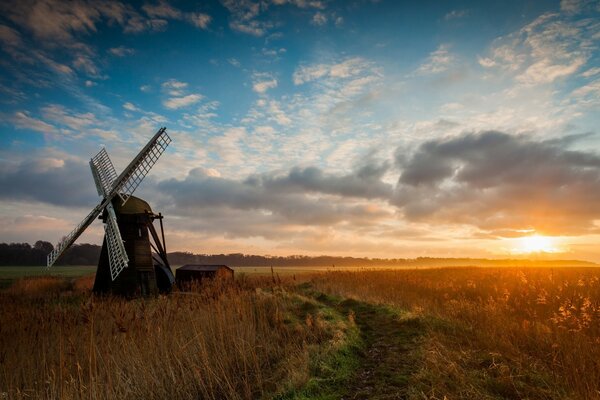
{"points": [[391, 350]]}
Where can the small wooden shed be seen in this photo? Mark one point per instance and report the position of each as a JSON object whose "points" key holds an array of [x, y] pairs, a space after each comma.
{"points": [[188, 273]]}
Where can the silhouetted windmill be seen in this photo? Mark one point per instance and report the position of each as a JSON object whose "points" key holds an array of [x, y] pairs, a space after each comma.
{"points": [[127, 265]]}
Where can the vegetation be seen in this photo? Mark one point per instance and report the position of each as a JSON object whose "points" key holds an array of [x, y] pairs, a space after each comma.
{"points": [[14, 254], [493, 333], [88, 254], [244, 341], [451, 333]]}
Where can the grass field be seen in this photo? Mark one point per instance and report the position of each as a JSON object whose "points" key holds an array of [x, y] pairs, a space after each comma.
{"points": [[454, 333]]}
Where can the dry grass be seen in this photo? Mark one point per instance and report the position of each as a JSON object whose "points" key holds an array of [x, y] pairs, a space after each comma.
{"points": [[224, 341], [513, 333]]}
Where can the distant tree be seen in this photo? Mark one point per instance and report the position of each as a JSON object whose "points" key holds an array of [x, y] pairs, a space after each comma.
{"points": [[41, 245]]}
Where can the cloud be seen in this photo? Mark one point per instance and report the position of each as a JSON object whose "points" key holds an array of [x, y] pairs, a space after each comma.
{"points": [[164, 10], [301, 3], [121, 51], [438, 61], [56, 21], [10, 37], [245, 15], [319, 19], [184, 101], [76, 121], [345, 69], [455, 14], [174, 87], [263, 82], [48, 180], [177, 90], [200, 20], [234, 61], [495, 181], [573, 7], [285, 197], [551, 47], [22, 120], [130, 107]]}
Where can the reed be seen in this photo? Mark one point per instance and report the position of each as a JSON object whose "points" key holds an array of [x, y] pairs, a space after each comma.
{"points": [[219, 341], [540, 320]]}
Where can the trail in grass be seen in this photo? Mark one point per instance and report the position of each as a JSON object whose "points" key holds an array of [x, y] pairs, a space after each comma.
{"points": [[390, 353]]}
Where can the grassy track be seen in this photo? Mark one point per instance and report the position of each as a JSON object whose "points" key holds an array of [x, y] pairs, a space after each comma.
{"points": [[380, 356]]}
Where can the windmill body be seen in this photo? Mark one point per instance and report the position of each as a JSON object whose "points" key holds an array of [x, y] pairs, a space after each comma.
{"points": [[148, 271], [133, 260]]}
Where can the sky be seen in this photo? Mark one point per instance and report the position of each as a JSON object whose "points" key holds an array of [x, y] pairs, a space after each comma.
{"points": [[355, 128]]}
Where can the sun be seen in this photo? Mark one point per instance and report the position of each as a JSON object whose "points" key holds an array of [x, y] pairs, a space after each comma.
{"points": [[536, 244]]}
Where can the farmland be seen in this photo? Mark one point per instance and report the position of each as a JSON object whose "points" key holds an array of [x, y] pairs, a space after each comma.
{"points": [[485, 333]]}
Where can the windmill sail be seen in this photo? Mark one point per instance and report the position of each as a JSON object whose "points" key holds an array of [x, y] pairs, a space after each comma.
{"points": [[68, 240], [117, 255], [109, 186], [135, 172], [104, 175], [104, 172]]}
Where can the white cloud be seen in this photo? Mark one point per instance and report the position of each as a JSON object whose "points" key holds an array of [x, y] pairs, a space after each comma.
{"points": [[130, 107], [179, 99], [23, 120], [61, 115], [546, 71], [146, 88], [455, 14], [244, 14], [174, 87], [89, 83], [551, 47], [350, 67], [184, 101], [591, 72], [263, 82], [572, 7], [121, 51], [200, 20], [166, 11], [319, 19], [438, 61], [85, 63]]}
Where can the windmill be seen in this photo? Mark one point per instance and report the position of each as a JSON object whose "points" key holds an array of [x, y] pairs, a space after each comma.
{"points": [[127, 264]]}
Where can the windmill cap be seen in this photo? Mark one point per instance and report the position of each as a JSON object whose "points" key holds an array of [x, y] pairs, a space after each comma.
{"points": [[134, 205]]}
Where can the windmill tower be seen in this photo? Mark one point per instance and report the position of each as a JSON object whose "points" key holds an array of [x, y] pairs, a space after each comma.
{"points": [[127, 264]]}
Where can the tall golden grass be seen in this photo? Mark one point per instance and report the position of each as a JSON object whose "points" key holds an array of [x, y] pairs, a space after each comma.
{"points": [[233, 341], [546, 320]]}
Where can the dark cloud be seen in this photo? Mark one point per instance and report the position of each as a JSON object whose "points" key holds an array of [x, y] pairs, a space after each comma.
{"points": [[497, 181], [58, 182], [363, 182], [287, 197]]}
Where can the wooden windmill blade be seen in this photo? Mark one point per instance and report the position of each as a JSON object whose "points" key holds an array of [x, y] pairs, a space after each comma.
{"points": [[139, 167], [104, 172], [68, 240], [109, 186], [117, 255]]}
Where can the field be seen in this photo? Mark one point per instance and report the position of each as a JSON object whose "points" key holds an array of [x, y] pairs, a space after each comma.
{"points": [[454, 333]]}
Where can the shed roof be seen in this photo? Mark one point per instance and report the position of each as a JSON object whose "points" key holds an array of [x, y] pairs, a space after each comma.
{"points": [[202, 267]]}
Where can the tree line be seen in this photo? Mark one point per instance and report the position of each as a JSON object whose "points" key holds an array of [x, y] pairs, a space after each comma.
{"points": [[26, 254], [88, 254]]}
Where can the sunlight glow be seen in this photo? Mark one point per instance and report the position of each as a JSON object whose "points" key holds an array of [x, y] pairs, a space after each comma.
{"points": [[536, 244]]}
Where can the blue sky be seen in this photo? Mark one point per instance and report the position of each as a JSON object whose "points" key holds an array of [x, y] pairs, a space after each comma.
{"points": [[369, 128]]}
